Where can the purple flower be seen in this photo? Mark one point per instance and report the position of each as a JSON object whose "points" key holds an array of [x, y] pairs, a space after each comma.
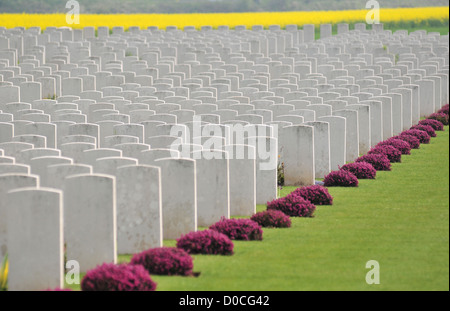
{"points": [[293, 205], [392, 153], [272, 219], [401, 145], [423, 136], [164, 261], [427, 128], [316, 194], [413, 141], [362, 170], [122, 277], [340, 178], [435, 124], [441, 117], [380, 162], [444, 109], [209, 242], [239, 229]]}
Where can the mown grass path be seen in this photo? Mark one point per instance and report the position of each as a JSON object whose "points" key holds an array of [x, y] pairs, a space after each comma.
{"points": [[401, 219]]}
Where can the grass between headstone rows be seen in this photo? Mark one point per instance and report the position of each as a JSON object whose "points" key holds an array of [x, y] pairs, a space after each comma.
{"points": [[401, 219]]}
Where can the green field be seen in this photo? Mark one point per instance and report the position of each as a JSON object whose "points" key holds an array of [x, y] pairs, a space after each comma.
{"points": [[401, 219]]}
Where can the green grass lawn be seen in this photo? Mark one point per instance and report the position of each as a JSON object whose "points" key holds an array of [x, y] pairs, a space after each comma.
{"points": [[401, 219]]}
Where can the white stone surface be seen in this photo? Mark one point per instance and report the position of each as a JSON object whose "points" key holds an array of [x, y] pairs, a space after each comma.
{"points": [[322, 160], [90, 226], [266, 149], [10, 182], [242, 172], [338, 140], [35, 239], [179, 196], [296, 145], [213, 186], [139, 208], [57, 173], [352, 133], [376, 121], [364, 127]]}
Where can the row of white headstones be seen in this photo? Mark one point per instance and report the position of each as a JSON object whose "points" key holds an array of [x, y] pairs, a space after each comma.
{"points": [[153, 133]]}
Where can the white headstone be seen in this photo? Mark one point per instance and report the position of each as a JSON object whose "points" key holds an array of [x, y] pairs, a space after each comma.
{"points": [[39, 166], [90, 220], [338, 137], [321, 148], [363, 126], [10, 182], [35, 239], [6, 132], [179, 196], [376, 121], [242, 168], [139, 208], [296, 145], [266, 167], [109, 165], [59, 172], [213, 197], [8, 168], [352, 133]]}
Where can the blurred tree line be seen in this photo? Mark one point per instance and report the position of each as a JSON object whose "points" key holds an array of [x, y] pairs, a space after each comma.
{"points": [[200, 6]]}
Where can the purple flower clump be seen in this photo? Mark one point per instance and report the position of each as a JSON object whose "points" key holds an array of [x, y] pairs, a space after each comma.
{"points": [[399, 144], [392, 153], [340, 178], [441, 117], [444, 109], [435, 124], [316, 194], [293, 205], [379, 161], [423, 137], [122, 277], [272, 219], [413, 141], [430, 131], [239, 229], [208, 242], [362, 170], [164, 261]]}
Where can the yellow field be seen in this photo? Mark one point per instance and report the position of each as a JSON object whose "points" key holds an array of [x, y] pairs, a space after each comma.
{"points": [[400, 15]]}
